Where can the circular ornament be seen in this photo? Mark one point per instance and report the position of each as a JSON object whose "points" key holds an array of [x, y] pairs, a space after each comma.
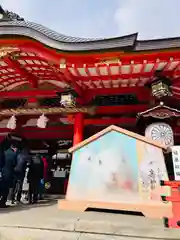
{"points": [[161, 132]]}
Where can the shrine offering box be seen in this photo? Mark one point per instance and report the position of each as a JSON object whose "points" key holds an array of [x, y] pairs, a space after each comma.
{"points": [[118, 169]]}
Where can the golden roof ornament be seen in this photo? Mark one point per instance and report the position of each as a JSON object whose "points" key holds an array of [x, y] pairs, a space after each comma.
{"points": [[109, 61], [5, 51]]}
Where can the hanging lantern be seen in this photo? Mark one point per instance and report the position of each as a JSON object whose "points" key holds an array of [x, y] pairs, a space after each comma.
{"points": [[12, 123], [160, 86], [68, 99], [160, 89], [42, 121]]}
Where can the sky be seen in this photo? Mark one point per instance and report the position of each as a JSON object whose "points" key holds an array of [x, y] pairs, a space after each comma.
{"points": [[102, 18]]}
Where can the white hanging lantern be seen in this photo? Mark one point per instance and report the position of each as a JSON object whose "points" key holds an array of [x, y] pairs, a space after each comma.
{"points": [[67, 100], [42, 121], [12, 123]]}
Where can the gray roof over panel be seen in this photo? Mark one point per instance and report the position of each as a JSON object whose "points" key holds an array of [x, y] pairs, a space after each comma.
{"points": [[158, 44], [67, 43], [63, 42]]}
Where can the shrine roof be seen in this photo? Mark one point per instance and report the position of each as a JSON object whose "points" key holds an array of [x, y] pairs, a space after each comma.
{"points": [[62, 42], [160, 111], [28, 60], [68, 43]]}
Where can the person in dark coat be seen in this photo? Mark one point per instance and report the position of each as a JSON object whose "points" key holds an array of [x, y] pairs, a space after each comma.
{"points": [[2, 159], [66, 180], [23, 159], [8, 172], [45, 177], [35, 174]]}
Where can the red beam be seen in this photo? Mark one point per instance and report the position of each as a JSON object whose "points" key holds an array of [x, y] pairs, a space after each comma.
{"points": [[62, 128], [12, 82], [156, 63], [176, 130], [62, 132], [59, 75], [123, 76], [110, 121], [73, 84], [142, 93], [14, 64], [143, 66], [29, 93], [121, 109], [47, 135], [33, 58], [121, 90], [51, 54]]}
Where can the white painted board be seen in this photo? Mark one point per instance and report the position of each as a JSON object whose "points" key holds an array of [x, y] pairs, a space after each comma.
{"points": [[176, 161]]}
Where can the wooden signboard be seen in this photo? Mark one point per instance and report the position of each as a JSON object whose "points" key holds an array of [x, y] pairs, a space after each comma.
{"points": [[117, 169]]}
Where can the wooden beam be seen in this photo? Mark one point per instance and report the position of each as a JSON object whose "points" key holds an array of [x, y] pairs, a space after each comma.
{"points": [[19, 68], [74, 85], [101, 110], [29, 94], [124, 76], [123, 109], [71, 83], [46, 111], [143, 94], [57, 72], [110, 121], [63, 132]]}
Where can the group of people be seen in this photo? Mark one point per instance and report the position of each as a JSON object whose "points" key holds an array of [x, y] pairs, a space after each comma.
{"points": [[15, 163]]}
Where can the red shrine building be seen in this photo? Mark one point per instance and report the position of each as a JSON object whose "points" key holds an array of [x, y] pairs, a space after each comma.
{"points": [[59, 87]]}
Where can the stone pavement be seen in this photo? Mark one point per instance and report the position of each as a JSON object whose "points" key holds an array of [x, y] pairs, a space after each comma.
{"points": [[45, 221]]}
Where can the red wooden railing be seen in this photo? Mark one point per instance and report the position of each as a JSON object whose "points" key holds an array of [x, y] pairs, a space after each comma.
{"points": [[173, 222]]}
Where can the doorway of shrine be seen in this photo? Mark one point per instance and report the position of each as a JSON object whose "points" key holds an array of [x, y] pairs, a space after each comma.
{"points": [[58, 158], [56, 153]]}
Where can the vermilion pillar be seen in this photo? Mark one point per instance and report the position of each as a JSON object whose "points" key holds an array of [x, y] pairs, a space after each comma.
{"points": [[78, 128]]}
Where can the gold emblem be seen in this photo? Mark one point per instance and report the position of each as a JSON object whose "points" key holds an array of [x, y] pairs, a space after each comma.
{"points": [[110, 61]]}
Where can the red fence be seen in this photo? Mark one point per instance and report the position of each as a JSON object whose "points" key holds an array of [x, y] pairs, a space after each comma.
{"points": [[173, 222]]}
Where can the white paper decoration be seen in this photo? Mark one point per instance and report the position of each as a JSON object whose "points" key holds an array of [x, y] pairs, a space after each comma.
{"points": [[42, 121], [12, 123], [161, 132]]}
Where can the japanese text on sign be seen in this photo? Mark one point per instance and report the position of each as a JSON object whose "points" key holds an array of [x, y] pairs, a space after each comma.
{"points": [[176, 161]]}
